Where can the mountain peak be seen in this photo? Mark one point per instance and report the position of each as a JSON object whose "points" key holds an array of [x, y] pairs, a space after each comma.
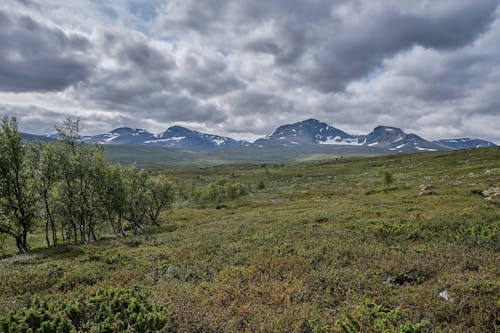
{"points": [[311, 121], [179, 129], [383, 136], [122, 130], [307, 132], [464, 143], [381, 128]]}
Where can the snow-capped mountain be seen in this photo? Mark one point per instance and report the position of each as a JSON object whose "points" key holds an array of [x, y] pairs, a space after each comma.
{"points": [[395, 140], [121, 136], [175, 136], [383, 136], [307, 132], [34, 137], [312, 131], [464, 143], [181, 137], [414, 143], [391, 139]]}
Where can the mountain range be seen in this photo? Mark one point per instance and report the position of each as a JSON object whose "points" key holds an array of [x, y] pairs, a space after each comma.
{"points": [[305, 133]]}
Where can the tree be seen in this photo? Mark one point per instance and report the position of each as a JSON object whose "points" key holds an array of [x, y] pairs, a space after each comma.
{"points": [[18, 196], [112, 194], [77, 189], [161, 195], [46, 175], [137, 197]]}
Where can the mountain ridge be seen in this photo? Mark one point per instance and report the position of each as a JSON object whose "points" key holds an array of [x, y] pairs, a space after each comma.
{"points": [[308, 132]]}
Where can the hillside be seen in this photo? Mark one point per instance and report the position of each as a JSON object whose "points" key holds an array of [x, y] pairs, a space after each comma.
{"points": [[164, 157], [320, 246]]}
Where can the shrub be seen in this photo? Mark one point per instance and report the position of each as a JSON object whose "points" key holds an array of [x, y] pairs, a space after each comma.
{"points": [[387, 178], [219, 191], [373, 317], [110, 310], [478, 234]]}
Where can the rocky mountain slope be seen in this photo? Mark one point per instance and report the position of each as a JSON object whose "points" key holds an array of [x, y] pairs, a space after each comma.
{"points": [[464, 143], [305, 133]]}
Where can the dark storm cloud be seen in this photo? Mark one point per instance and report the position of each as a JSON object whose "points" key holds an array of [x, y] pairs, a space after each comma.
{"points": [[35, 57]]}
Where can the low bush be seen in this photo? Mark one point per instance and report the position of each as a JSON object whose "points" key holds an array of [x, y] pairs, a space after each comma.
{"points": [[219, 191], [373, 317], [109, 310]]}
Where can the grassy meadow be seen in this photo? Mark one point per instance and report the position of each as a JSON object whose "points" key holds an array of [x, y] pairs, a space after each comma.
{"points": [[166, 157], [320, 246]]}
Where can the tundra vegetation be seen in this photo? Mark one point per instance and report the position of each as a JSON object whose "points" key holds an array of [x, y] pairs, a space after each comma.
{"points": [[328, 246]]}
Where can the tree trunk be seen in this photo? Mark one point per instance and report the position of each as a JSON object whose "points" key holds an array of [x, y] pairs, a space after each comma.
{"points": [[75, 232], [25, 240], [120, 226], [50, 220], [21, 243], [54, 231], [47, 233], [94, 237]]}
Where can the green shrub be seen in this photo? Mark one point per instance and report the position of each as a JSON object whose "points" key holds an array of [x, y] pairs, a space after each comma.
{"points": [[219, 191], [387, 177], [478, 234], [110, 310], [373, 317]]}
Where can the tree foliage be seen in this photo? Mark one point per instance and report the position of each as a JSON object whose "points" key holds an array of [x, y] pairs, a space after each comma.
{"points": [[70, 187], [18, 197], [218, 191]]}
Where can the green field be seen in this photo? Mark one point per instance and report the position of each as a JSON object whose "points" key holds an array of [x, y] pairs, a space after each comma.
{"points": [[163, 157], [324, 246]]}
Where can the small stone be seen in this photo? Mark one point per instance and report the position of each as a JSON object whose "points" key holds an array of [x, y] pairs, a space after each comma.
{"points": [[444, 295], [171, 272], [425, 187]]}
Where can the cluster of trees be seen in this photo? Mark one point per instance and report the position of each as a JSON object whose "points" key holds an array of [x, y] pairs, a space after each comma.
{"points": [[71, 188], [218, 191]]}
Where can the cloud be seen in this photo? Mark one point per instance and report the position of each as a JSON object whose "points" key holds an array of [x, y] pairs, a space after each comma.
{"points": [[36, 57], [244, 67], [329, 44]]}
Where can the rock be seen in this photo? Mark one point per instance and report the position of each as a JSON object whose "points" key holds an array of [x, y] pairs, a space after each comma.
{"points": [[426, 187], [492, 194], [171, 272], [444, 295]]}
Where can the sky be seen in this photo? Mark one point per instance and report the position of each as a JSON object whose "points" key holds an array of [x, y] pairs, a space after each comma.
{"points": [[243, 67]]}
